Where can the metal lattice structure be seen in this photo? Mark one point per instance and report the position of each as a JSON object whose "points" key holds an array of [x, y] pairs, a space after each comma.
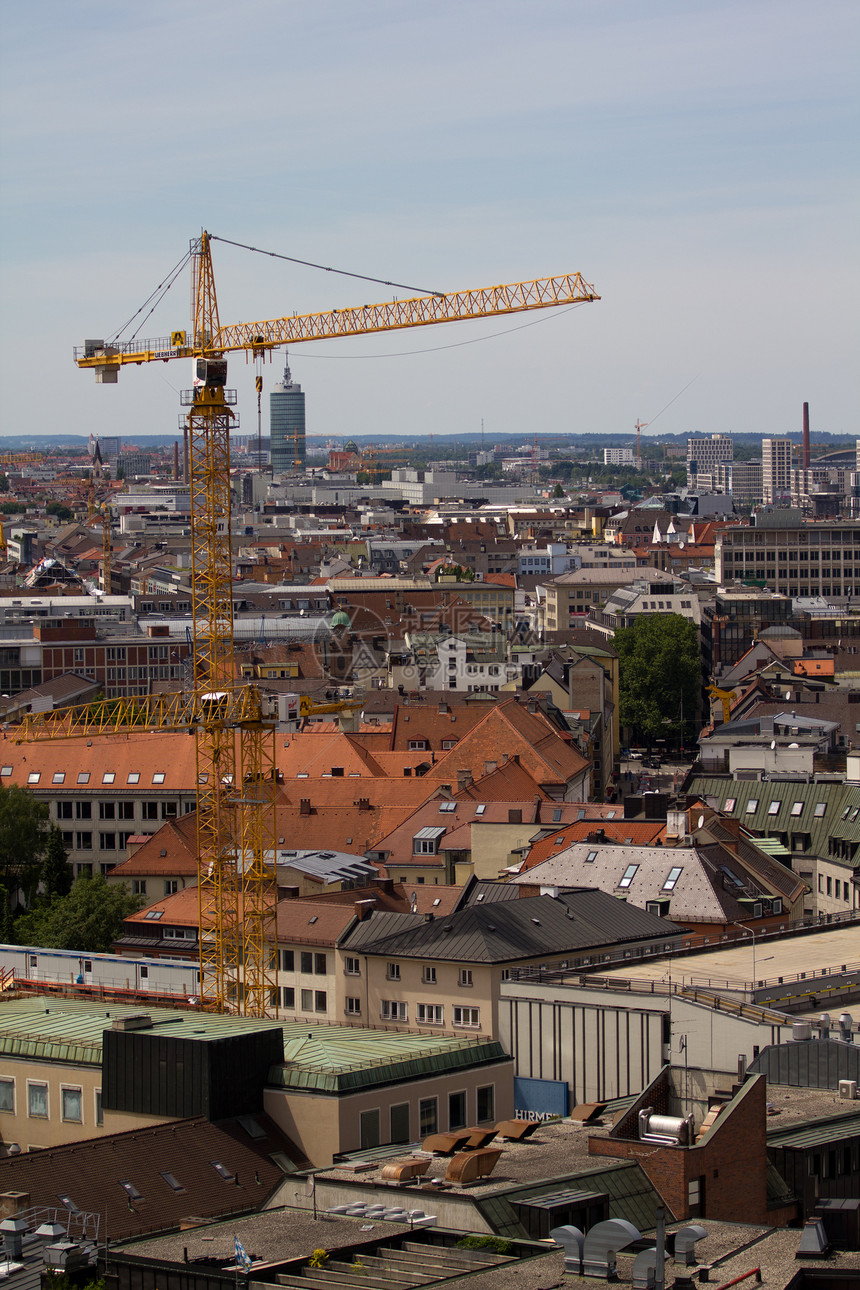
{"points": [[235, 762]]}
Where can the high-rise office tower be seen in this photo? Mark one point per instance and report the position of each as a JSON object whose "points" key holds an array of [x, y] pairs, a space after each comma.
{"points": [[704, 455], [287, 424], [775, 469]]}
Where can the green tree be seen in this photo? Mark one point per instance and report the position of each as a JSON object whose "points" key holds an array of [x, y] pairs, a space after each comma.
{"points": [[660, 672], [90, 918], [23, 837], [57, 872], [59, 511], [558, 491]]}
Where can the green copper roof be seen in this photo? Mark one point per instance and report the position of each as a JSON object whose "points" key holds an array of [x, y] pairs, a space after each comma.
{"points": [[344, 1059], [317, 1058]]}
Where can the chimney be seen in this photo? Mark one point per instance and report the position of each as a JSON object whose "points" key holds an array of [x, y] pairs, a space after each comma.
{"points": [[305, 806], [364, 908], [464, 779], [489, 767], [537, 811], [363, 803], [13, 1203], [806, 436]]}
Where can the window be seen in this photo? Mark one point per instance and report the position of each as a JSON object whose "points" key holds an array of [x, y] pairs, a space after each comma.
{"points": [[320, 964], [288, 961], [424, 846], [158, 777], [58, 777], [467, 1017], [430, 1014], [353, 967], [83, 776], [486, 1103], [797, 808], [7, 1095], [428, 1116], [107, 841], [138, 887], [731, 803], [173, 1183], [72, 1105], [307, 1000], [591, 857], [65, 810], [428, 976], [752, 806], [109, 776], [100, 1119], [171, 886], [288, 996], [320, 1001], [820, 808], [34, 777], [773, 809], [353, 1007], [672, 879], [37, 1100], [465, 977], [83, 842], [150, 810], [392, 972], [393, 1010], [125, 810], [456, 1110], [133, 777], [306, 961], [629, 874]]}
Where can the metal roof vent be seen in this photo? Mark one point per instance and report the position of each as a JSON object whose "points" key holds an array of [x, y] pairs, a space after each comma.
{"points": [[571, 1240], [603, 1243]]}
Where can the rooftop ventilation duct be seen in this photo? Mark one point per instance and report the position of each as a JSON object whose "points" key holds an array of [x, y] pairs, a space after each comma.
{"points": [[602, 1245], [571, 1240]]}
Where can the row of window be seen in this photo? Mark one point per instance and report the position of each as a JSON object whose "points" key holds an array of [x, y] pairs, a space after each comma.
{"points": [[797, 808], [83, 776], [830, 886], [427, 1014], [39, 1101]]}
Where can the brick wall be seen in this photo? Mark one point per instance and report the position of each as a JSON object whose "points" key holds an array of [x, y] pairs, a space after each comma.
{"points": [[730, 1161]]}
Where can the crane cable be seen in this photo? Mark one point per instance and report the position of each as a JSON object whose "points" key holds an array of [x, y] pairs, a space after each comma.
{"points": [[309, 264], [155, 296]]}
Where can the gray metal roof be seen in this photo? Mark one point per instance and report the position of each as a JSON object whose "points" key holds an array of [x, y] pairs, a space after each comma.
{"points": [[332, 866], [509, 931]]}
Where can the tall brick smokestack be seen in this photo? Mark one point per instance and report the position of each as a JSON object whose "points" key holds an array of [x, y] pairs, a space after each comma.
{"points": [[806, 436]]}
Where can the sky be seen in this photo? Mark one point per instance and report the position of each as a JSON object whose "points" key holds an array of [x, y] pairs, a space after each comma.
{"points": [[696, 161]]}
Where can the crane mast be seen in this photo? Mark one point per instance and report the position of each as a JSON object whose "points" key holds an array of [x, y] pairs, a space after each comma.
{"points": [[235, 758]]}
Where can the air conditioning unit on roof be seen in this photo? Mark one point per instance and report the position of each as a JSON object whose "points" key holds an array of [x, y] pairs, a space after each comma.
{"points": [[848, 1089]]}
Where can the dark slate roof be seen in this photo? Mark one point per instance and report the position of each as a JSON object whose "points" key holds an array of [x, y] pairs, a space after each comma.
{"points": [[508, 931], [90, 1173], [482, 891]]}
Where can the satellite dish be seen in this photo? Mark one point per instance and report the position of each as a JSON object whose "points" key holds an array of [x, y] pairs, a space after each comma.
{"points": [[788, 694], [700, 821], [772, 744]]}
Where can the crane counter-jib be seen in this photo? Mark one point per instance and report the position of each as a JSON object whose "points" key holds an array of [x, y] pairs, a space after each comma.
{"points": [[393, 315]]}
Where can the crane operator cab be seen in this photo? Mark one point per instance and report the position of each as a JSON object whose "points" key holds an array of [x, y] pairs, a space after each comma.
{"points": [[210, 373]]}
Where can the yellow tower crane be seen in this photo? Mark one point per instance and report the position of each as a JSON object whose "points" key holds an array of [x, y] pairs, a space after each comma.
{"points": [[725, 698], [234, 741]]}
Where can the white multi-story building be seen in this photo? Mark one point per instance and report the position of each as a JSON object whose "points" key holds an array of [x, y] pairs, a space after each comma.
{"points": [[704, 455], [618, 457], [775, 470]]}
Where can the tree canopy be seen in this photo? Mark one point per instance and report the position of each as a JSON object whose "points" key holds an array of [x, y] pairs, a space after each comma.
{"points": [[23, 837], [89, 919], [660, 671]]}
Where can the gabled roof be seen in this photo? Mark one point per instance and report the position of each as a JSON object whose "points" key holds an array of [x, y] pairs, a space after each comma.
{"points": [[509, 931], [172, 850], [91, 1173]]}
